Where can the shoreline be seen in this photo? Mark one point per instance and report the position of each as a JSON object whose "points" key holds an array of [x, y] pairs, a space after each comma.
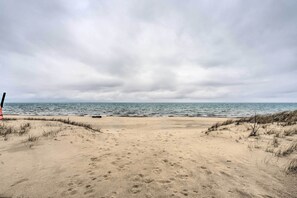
{"points": [[116, 116]]}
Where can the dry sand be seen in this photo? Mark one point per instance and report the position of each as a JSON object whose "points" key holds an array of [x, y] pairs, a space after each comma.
{"points": [[138, 157]]}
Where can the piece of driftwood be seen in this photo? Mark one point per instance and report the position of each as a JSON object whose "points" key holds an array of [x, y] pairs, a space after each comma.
{"points": [[97, 116]]}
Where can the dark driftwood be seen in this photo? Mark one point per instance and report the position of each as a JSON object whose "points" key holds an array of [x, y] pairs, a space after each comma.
{"points": [[97, 116]]}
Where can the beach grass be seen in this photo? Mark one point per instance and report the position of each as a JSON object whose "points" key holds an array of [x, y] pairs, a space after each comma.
{"points": [[66, 121]]}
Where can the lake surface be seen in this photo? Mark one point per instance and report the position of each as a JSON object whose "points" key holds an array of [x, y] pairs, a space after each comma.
{"points": [[148, 109]]}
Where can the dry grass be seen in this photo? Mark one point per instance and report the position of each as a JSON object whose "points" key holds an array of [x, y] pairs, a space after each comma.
{"points": [[51, 133], [8, 119], [52, 124], [269, 149], [217, 125], [292, 166], [32, 138], [7, 130], [214, 127], [289, 123], [287, 150], [227, 122], [24, 128], [290, 132], [286, 118], [67, 121], [273, 131], [275, 142], [255, 127]]}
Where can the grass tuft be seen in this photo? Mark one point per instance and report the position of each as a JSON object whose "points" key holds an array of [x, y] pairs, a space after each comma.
{"points": [[287, 150], [6, 130], [52, 133], [32, 138], [24, 128], [292, 166], [290, 132], [8, 119], [286, 117], [67, 121], [217, 125]]}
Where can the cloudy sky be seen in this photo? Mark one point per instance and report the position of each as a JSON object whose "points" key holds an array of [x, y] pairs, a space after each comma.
{"points": [[149, 50]]}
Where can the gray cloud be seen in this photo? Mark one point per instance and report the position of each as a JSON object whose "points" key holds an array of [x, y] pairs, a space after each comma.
{"points": [[71, 50]]}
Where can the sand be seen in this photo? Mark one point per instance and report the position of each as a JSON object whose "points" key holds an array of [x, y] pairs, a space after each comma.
{"points": [[137, 157]]}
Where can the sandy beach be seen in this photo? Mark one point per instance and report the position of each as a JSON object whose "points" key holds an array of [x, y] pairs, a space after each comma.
{"points": [[139, 157], [148, 99]]}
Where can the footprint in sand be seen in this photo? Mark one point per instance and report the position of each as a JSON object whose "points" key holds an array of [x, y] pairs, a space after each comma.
{"points": [[226, 174], [88, 186], [182, 176], [73, 192], [90, 172], [137, 178], [107, 176], [93, 178], [157, 170], [69, 191], [164, 181], [148, 180], [20, 181], [89, 191], [94, 159], [184, 192], [136, 188]]}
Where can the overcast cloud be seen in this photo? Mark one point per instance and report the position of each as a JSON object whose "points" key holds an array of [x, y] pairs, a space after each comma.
{"points": [[149, 50]]}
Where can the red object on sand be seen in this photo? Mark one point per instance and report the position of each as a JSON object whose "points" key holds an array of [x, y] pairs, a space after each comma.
{"points": [[1, 114]]}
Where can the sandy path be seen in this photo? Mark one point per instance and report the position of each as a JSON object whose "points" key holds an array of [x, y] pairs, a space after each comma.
{"points": [[139, 157]]}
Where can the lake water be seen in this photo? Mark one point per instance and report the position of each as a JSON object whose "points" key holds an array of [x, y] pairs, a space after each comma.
{"points": [[148, 109]]}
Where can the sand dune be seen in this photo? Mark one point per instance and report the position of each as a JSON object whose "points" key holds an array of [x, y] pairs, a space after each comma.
{"points": [[138, 157]]}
